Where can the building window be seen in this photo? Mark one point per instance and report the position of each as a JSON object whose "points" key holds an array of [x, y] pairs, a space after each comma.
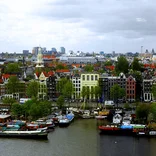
{"points": [[92, 78], [83, 77], [95, 77], [87, 77]]}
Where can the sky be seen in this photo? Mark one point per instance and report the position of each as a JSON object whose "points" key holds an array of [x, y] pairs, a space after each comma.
{"points": [[78, 25]]}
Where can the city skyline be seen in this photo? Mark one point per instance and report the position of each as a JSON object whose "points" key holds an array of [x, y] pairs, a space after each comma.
{"points": [[78, 25]]}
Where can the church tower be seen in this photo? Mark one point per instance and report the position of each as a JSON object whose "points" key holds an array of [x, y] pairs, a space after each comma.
{"points": [[40, 62]]}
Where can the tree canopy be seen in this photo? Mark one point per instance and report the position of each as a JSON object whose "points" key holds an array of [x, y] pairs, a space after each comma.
{"points": [[122, 65], [12, 68], [136, 66], [117, 92], [32, 109], [12, 85], [89, 68], [60, 101], [154, 91], [32, 89]]}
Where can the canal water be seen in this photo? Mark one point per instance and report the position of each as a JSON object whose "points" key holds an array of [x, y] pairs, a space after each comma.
{"points": [[81, 138]]}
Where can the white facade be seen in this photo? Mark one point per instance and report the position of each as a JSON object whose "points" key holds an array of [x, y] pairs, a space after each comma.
{"points": [[77, 85]]}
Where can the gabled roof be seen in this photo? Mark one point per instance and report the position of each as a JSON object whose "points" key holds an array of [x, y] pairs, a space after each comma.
{"points": [[6, 76]]}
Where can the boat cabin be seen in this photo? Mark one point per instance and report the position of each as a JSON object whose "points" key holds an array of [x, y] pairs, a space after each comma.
{"points": [[4, 118]]}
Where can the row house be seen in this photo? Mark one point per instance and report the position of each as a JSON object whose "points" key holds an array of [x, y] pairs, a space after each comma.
{"points": [[89, 80], [129, 84], [76, 80], [147, 89], [51, 82]]}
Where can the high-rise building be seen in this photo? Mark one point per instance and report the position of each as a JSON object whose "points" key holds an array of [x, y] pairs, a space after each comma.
{"points": [[25, 52], [53, 50], [35, 50], [62, 50]]}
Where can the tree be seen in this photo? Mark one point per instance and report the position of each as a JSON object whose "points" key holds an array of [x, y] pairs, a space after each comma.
{"points": [[60, 85], [8, 100], [97, 92], [12, 68], [136, 66], [60, 101], [68, 90], [153, 111], [12, 85], [142, 112], [17, 110], [108, 63], [84, 92], [117, 92], [60, 66], [122, 65], [32, 89], [154, 91], [89, 68]]}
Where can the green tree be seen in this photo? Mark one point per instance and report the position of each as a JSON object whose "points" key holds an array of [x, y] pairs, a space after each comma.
{"points": [[142, 112], [12, 68], [83, 92], [97, 92], [60, 66], [60, 85], [32, 89], [89, 68], [68, 90], [136, 66], [154, 91], [122, 65], [153, 111], [60, 101], [117, 92], [12, 85], [108, 63], [8, 100], [17, 110]]}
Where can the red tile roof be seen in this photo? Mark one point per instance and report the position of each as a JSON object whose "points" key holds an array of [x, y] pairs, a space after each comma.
{"points": [[153, 66], [110, 67], [62, 70]]}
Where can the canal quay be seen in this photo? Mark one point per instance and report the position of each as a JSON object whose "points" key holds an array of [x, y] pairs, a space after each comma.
{"points": [[80, 138]]}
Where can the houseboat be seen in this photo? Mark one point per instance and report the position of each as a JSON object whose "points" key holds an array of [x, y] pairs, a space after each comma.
{"points": [[66, 120]]}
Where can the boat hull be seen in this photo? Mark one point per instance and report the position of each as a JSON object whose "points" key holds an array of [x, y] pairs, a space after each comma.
{"points": [[24, 134]]}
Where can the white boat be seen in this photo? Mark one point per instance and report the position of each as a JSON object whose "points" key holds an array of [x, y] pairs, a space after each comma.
{"points": [[100, 117], [86, 115]]}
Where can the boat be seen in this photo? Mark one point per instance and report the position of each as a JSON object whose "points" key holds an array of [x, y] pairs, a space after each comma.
{"points": [[86, 115], [109, 129], [66, 120], [37, 134], [100, 117]]}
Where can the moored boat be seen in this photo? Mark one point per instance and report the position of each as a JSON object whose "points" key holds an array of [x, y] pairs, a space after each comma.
{"points": [[38, 134], [66, 120]]}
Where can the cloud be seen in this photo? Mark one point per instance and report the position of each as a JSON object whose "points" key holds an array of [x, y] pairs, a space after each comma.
{"points": [[87, 25]]}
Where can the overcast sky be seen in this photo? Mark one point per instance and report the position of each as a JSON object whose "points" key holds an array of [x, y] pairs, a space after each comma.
{"points": [[79, 25]]}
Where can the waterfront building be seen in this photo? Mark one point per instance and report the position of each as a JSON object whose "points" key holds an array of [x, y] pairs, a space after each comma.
{"points": [[51, 82], [76, 80], [147, 88], [106, 82], [89, 80], [130, 88]]}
